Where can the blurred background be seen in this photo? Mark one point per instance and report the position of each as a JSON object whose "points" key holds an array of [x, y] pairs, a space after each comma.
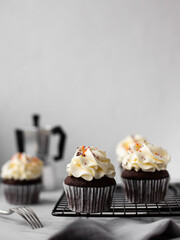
{"points": [[101, 69]]}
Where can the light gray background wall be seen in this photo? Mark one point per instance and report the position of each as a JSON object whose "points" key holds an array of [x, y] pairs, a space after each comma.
{"points": [[102, 69]]}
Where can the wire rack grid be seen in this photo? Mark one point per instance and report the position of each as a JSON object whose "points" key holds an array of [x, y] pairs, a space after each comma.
{"points": [[122, 208]]}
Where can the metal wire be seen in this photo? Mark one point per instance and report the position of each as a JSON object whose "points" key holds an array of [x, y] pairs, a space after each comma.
{"points": [[122, 208]]}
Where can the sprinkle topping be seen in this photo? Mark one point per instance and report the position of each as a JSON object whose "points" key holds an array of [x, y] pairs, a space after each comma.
{"points": [[82, 151]]}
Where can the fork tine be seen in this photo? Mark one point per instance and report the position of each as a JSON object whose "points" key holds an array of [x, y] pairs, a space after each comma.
{"points": [[28, 216], [22, 215], [34, 216]]}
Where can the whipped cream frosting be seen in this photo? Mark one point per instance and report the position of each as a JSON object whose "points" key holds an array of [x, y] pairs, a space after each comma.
{"points": [[22, 167], [89, 163], [123, 146], [147, 157]]}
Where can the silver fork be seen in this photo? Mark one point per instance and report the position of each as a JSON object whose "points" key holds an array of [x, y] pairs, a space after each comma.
{"points": [[27, 213]]}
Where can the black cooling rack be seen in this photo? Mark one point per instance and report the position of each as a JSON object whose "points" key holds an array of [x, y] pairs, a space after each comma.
{"points": [[122, 208]]}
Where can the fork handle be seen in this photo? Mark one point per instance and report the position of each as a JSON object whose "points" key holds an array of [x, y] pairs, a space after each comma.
{"points": [[5, 212]]}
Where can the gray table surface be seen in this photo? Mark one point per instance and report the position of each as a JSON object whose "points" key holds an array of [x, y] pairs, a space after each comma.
{"points": [[14, 227]]}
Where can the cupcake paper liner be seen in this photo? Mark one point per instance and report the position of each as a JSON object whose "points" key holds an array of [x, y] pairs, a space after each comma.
{"points": [[89, 199], [146, 191], [22, 194]]}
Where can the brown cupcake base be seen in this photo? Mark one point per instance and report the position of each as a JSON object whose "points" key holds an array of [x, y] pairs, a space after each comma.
{"points": [[141, 175], [80, 182], [21, 182]]}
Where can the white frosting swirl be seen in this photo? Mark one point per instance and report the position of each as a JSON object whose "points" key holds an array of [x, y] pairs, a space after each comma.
{"points": [[89, 163], [123, 146], [146, 157], [22, 167]]}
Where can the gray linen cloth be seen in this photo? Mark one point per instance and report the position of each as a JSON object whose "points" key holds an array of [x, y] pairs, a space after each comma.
{"points": [[124, 229]]}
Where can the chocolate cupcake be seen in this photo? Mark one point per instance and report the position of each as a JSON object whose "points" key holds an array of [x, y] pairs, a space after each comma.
{"points": [[123, 146], [145, 176], [21, 177], [90, 185]]}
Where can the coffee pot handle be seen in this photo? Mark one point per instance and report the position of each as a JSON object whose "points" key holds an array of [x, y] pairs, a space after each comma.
{"points": [[61, 144]]}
